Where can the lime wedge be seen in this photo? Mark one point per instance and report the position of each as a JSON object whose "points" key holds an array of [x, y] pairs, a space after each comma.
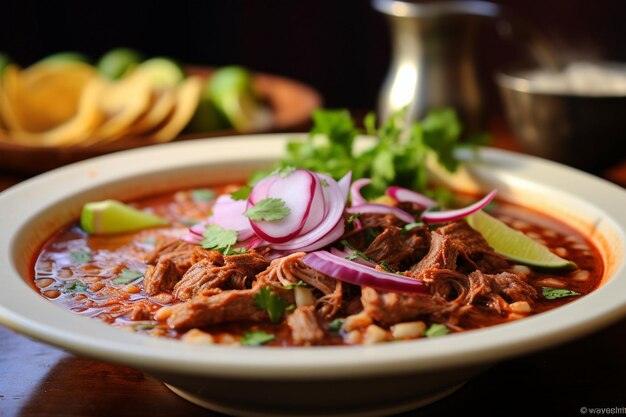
{"points": [[515, 245], [111, 216], [115, 63], [164, 72], [231, 91], [64, 58]]}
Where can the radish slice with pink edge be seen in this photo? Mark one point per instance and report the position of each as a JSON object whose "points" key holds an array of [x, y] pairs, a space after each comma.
{"points": [[329, 238], [452, 215], [354, 273], [355, 191], [297, 190], [318, 209], [382, 209], [404, 195], [228, 213], [335, 199]]}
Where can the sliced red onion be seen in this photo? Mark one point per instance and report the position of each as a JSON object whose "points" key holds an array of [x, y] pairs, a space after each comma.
{"points": [[334, 198], [348, 253], [452, 215], [382, 209], [355, 191], [403, 195], [198, 229], [192, 238], [297, 190], [344, 184], [354, 273]]}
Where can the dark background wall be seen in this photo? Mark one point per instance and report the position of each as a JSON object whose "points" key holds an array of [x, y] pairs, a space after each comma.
{"points": [[339, 46]]}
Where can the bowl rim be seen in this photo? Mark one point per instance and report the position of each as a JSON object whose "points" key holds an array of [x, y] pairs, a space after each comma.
{"points": [[22, 309]]}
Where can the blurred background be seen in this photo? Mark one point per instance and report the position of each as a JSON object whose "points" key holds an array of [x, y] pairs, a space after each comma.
{"points": [[342, 48]]}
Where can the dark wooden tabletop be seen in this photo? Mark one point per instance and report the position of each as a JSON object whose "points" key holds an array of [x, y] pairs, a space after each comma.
{"points": [[39, 380]]}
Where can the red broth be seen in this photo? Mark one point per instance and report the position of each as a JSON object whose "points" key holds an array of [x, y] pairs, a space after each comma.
{"points": [[82, 273]]}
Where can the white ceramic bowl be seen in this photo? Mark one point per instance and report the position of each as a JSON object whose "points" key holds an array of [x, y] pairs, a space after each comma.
{"points": [[367, 380]]}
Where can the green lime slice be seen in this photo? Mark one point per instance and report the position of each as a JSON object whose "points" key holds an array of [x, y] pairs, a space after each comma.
{"points": [[515, 245], [63, 58], [5, 61], [164, 72], [115, 63], [230, 88], [111, 216]]}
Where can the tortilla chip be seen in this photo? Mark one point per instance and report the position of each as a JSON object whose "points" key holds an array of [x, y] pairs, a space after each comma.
{"points": [[47, 97], [123, 103], [74, 131], [187, 99], [161, 107]]}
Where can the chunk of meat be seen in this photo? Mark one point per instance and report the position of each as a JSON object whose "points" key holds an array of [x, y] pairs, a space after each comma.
{"points": [[169, 247], [290, 269], [399, 248], [160, 277], [238, 272], [393, 307], [213, 256], [305, 326], [509, 286], [474, 247], [224, 307], [443, 254]]}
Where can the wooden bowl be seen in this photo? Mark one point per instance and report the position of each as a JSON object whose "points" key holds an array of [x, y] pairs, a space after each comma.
{"points": [[291, 101]]}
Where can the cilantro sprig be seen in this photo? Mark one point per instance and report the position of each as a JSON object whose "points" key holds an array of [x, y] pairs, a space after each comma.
{"points": [[256, 338], [274, 304], [268, 210], [550, 293], [218, 238], [127, 276], [398, 156], [436, 329]]}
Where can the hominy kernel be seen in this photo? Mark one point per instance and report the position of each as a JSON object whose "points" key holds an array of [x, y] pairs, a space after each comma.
{"points": [[228, 339], [44, 282], [51, 293], [551, 282], [520, 307], [131, 289], [374, 334], [163, 313], [408, 330], [354, 337], [562, 252], [356, 321], [515, 316], [581, 275], [521, 270], [197, 336]]}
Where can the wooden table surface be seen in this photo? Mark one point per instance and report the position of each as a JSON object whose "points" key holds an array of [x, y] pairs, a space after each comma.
{"points": [[40, 380]]}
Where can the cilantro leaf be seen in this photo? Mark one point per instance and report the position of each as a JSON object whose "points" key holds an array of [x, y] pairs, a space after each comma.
{"points": [[274, 304], [76, 286], [268, 210], [218, 238], [256, 338], [127, 276], [284, 171], [80, 257], [437, 330], [202, 195], [553, 293], [324, 182], [336, 324], [242, 194], [412, 226], [355, 252]]}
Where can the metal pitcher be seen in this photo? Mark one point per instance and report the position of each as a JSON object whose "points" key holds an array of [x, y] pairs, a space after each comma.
{"points": [[433, 58]]}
